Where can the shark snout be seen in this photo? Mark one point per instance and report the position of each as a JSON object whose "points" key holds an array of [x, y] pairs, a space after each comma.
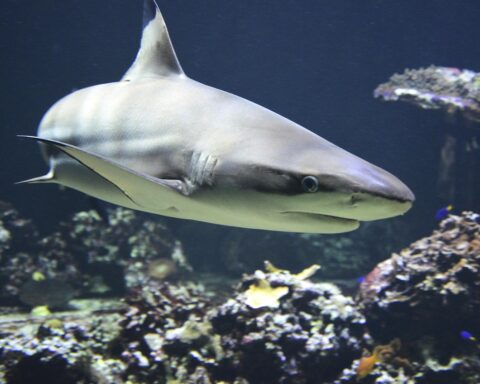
{"points": [[378, 182], [375, 193], [351, 188]]}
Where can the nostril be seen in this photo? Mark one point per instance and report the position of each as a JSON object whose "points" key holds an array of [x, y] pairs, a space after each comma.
{"points": [[354, 199]]}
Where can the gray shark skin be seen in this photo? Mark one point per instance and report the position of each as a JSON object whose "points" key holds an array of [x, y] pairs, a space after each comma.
{"points": [[160, 142]]}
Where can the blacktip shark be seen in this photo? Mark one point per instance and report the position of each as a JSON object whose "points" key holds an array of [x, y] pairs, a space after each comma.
{"points": [[160, 142]]}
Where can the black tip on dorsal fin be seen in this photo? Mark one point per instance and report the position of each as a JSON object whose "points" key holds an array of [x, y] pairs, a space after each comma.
{"points": [[150, 8], [156, 56]]}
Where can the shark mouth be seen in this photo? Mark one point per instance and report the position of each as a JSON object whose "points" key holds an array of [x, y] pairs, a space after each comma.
{"points": [[328, 223]]}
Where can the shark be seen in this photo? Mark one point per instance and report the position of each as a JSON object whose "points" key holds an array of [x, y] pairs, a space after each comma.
{"points": [[158, 141]]}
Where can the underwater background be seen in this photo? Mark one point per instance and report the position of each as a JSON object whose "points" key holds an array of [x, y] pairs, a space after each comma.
{"points": [[316, 63]]}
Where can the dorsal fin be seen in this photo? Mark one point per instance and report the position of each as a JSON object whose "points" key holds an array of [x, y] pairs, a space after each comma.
{"points": [[156, 56]]}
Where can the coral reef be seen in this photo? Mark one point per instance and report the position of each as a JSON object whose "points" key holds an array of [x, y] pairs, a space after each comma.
{"points": [[68, 347], [429, 294], [439, 274], [163, 328], [17, 232], [274, 326], [180, 333], [450, 89], [456, 92], [458, 370], [313, 334], [309, 335], [120, 250], [91, 255], [23, 254]]}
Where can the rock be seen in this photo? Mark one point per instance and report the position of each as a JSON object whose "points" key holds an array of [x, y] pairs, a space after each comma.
{"points": [[181, 333], [446, 88], [120, 250], [94, 257], [70, 347], [22, 255], [163, 328], [434, 284], [313, 334]]}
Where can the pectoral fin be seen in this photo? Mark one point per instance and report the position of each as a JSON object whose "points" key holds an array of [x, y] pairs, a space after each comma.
{"points": [[143, 190]]}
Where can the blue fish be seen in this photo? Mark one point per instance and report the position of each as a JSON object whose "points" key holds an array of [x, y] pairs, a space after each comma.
{"points": [[465, 335], [443, 212], [361, 279]]}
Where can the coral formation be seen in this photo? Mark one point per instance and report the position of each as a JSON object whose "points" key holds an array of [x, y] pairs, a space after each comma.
{"points": [[456, 92], [439, 274], [164, 331], [121, 249], [62, 348], [178, 332], [428, 294], [23, 255], [275, 326], [310, 337], [90, 255], [261, 294], [464, 370], [450, 89]]}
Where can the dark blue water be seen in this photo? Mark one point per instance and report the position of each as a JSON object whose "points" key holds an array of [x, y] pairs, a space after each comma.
{"points": [[315, 62]]}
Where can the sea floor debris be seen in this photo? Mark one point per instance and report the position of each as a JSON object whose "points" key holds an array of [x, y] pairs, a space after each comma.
{"points": [[272, 326]]}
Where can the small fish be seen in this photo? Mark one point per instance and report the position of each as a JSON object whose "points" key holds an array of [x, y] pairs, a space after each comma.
{"points": [[361, 279], [367, 364], [465, 335], [443, 212], [380, 353]]}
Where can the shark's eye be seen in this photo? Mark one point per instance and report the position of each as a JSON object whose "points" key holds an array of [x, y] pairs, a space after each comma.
{"points": [[310, 184]]}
